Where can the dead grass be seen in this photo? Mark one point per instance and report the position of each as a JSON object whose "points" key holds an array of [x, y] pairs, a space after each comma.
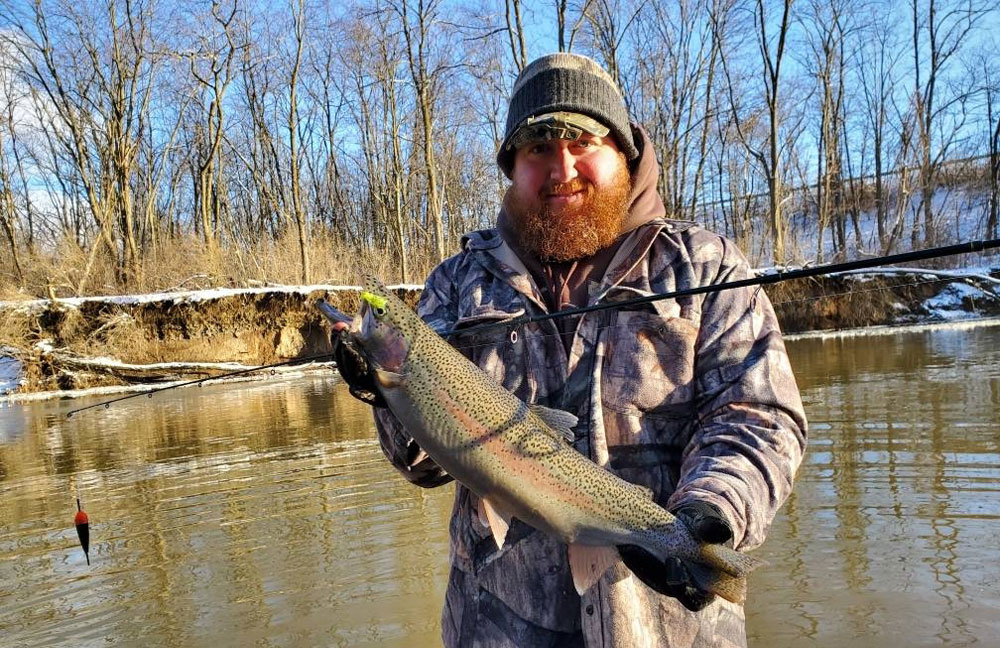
{"points": [[185, 263], [17, 328]]}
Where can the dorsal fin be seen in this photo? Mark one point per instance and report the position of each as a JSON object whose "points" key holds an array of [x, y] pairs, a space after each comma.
{"points": [[561, 421]]}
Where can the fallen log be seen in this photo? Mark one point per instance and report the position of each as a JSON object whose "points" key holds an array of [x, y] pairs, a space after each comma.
{"points": [[136, 373]]}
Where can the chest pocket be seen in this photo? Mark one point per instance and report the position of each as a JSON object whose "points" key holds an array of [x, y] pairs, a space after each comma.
{"points": [[649, 365], [494, 350]]}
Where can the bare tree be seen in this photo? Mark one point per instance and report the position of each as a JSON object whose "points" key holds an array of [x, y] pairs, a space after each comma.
{"points": [[417, 24], [8, 142], [515, 33], [211, 66], [295, 178], [939, 34], [609, 22], [672, 94], [825, 32], [991, 96], [877, 58], [99, 85], [8, 209], [772, 53]]}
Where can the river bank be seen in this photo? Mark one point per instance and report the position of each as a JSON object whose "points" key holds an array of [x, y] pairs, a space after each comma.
{"points": [[56, 346]]}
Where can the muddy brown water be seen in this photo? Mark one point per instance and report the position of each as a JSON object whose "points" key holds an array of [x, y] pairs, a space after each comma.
{"points": [[263, 514]]}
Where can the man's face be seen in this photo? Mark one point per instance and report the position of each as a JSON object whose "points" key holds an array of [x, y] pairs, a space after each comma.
{"points": [[569, 197]]}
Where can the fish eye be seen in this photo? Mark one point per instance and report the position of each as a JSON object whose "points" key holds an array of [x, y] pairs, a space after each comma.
{"points": [[379, 311]]}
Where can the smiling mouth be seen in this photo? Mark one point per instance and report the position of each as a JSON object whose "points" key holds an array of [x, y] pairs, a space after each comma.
{"points": [[565, 196]]}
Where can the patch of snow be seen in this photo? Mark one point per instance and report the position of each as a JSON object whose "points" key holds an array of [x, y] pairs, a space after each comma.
{"points": [[965, 273], [949, 304], [193, 295], [897, 328], [113, 363]]}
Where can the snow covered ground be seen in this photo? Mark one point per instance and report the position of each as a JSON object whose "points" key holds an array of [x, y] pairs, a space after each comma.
{"points": [[192, 295], [956, 324]]}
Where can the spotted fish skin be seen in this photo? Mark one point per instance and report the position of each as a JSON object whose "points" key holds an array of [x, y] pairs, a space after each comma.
{"points": [[508, 454]]}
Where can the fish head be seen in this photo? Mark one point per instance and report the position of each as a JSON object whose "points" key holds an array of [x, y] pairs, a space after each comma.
{"points": [[384, 327]]}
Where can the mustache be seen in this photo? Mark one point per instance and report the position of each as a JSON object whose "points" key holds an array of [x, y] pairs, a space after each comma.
{"points": [[565, 188]]}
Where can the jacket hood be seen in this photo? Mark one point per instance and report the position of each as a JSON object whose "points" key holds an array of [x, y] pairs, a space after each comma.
{"points": [[645, 203]]}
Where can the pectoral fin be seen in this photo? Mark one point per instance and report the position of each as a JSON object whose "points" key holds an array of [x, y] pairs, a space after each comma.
{"points": [[560, 421], [588, 563], [498, 523]]}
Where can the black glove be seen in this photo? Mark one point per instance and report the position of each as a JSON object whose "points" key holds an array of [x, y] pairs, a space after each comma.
{"points": [[706, 522], [672, 577], [356, 371]]}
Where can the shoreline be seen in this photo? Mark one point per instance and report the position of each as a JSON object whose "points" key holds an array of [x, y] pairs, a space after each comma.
{"points": [[892, 329], [67, 348], [305, 369]]}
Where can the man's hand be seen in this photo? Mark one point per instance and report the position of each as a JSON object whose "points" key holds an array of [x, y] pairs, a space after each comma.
{"points": [[707, 524], [672, 577], [356, 371]]}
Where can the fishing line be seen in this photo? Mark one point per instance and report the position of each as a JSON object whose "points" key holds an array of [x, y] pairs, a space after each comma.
{"points": [[857, 291], [149, 393], [510, 326]]}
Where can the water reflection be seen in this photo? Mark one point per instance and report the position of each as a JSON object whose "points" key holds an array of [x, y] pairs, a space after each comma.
{"points": [[264, 514], [895, 508]]}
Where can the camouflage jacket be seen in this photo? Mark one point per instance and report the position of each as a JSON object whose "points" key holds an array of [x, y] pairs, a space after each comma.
{"points": [[691, 397]]}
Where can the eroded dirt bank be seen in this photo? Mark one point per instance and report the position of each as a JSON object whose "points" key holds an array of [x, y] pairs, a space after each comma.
{"points": [[65, 344]]}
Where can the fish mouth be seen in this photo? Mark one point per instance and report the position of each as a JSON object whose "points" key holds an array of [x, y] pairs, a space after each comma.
{"points": [[340, 320]]}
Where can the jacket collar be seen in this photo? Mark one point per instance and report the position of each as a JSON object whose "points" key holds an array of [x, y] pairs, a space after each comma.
{"points": [[499, 259]]}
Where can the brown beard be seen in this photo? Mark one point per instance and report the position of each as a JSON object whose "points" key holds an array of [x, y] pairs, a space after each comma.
{"points": [[573, 232]]}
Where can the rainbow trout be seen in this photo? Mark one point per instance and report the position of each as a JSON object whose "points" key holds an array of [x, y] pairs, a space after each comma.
{"points": [[518, 460]]}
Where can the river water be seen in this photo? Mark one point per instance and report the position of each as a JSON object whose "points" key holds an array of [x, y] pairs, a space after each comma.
{"points": [[263, 514]]}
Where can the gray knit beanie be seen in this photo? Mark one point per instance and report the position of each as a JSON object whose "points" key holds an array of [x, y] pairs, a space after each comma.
{"points": [[566, 83]]}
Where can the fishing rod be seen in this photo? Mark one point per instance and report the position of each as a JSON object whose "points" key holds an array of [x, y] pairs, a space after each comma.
{"points": [[765, 279], [762, 280]]}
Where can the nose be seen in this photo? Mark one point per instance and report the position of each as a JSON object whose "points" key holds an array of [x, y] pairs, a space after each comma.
{"points": [[563, 164]]}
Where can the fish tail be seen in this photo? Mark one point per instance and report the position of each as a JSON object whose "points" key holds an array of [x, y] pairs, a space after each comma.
{"points": [[728, 560], [716, 569], [718, 582], [723, 571]]}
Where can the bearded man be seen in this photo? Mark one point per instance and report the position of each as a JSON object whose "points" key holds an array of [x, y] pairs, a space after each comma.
{"points": [[692, 397]]}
